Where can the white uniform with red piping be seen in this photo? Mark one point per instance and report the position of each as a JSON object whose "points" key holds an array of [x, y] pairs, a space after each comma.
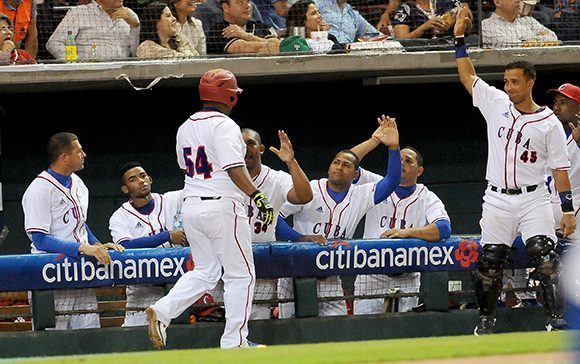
{"points": [[215, 223], [521, 147]]}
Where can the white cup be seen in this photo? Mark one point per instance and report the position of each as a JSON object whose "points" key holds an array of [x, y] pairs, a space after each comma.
{"points": [[320, 35]]}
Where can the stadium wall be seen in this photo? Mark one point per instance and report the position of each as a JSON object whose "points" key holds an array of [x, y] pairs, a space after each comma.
{"points": [[271, 332]]}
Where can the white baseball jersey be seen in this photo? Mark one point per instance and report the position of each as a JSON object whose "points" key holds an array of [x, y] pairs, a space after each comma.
{"points": [[334, 220], [574, 176], [51, 208], [127, 223], [276, 185], [420, 208], [573, 173], [217, 228], [209, 143], [521, 146], [324, 216]]}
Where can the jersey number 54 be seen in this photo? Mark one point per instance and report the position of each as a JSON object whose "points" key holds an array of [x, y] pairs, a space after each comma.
{"points": [[200, 166]]}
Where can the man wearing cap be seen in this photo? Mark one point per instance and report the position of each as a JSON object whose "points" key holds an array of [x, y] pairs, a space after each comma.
{"points": [[567, 109], [237, 34], [506, 28]]}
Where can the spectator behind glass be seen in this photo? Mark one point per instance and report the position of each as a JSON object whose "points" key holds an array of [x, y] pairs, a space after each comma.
{"points": [[112, 28], [189, 27], [210, 13], [22, 14], [414, 19], [8, 51], [345, 23], [564, 18], [237, 34], [506, 28], [305, 14], [159, 35], [274, 12]]}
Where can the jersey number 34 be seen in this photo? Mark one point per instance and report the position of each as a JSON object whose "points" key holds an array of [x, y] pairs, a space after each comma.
{"points": [[200, 166]]}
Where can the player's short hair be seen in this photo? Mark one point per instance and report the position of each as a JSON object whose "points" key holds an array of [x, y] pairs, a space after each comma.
{"points": [[356, 158], [419, 155], [127, 166], [59, 143], [527, 67], [252, 131]]}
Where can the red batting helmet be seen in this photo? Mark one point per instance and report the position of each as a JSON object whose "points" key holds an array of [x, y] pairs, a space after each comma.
{"points": [[220, 86]]}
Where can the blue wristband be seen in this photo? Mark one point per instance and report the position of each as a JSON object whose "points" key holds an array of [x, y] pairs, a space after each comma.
{"points": [[461, 52], [566, 201]]}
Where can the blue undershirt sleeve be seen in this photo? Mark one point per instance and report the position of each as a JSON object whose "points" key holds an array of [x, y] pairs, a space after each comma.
{"points": [[444, 227], [92, 238], [52, 244], [285, 232], [152, 241], [387, 185]]}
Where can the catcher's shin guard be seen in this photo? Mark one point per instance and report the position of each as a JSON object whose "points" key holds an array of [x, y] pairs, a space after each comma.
{"points": [[488, 277], [544, 258]]}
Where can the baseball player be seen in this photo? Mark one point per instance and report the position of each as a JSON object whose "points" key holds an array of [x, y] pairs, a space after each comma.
{"points": [[280, 187], [55, 211], [142, 222], [524, 140], [411, 211], [337, 208], [211, 150], [567, 109]]}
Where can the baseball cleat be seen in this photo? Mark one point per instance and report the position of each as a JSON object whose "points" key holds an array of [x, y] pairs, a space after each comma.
{"points": [[252, 344], [157, 329], [484, 326], [556, 323]]}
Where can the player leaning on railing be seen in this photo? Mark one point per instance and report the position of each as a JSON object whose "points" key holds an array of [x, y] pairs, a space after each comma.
{"points": [[524, 141], [55, 207]]}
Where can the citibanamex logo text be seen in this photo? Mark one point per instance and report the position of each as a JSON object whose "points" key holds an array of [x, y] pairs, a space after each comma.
{"points": [[467, 253], [85, 270], [342, 256]]}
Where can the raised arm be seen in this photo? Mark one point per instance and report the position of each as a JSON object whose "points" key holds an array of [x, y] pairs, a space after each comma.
{"points": [[364, 148], [464, 65], [301, 193], [389, 136]]}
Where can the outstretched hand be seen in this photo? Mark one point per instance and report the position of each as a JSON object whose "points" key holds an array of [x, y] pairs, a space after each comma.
{"points": [[387, 132], [461, 22], [286, 152]]}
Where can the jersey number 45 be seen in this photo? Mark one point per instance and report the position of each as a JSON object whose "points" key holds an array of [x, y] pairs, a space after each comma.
{"points": [[201, 164]]}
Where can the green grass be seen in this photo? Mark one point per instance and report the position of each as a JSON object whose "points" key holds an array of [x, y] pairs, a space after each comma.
{"points": [[379, 351]]}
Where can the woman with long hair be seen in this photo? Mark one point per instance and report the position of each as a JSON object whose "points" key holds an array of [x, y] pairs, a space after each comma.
{"points": [[190, 27], [305, 14], [159, 36]]}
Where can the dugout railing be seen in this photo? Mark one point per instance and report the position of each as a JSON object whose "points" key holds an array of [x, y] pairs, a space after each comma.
{"points": [[43, 273]]}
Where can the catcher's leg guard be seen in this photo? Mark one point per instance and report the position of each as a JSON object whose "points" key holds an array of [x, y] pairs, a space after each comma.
{"points": [[488, 277], [544, 258]]}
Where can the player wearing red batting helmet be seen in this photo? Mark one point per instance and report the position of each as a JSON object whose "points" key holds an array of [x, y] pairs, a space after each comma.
{"points": [[211, 150], [221, 86]]}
